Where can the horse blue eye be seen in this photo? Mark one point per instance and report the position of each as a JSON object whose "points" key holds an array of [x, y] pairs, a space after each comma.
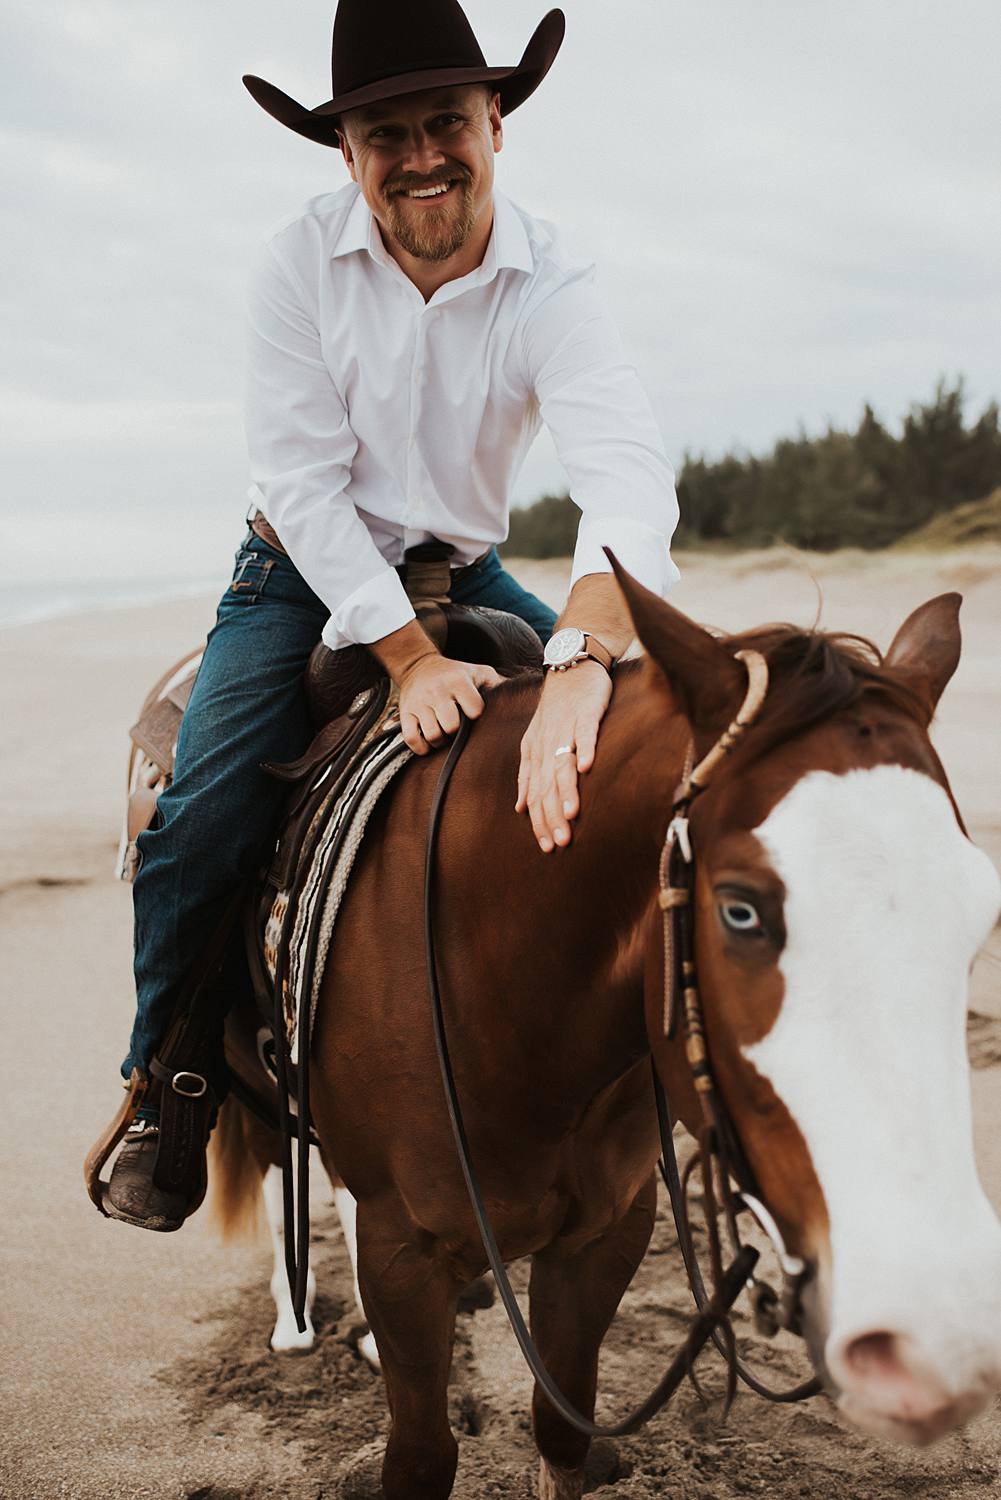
{"points": [[740, 916]]}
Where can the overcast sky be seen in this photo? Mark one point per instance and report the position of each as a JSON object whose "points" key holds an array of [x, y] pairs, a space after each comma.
{"points": [[793, 204]]}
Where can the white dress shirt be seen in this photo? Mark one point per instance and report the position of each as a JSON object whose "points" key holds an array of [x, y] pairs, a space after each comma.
{"points": [[376, 421]]}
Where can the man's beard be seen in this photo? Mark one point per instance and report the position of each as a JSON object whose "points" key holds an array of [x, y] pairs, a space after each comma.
{"points": [[430, 233]]}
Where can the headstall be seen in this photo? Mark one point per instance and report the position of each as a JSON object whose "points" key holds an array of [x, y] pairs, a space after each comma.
{"points": [[719, 1156]]}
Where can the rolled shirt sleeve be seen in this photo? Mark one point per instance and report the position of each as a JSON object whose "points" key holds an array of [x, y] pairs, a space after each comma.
{"points": [[604, 430], [301, 449]]}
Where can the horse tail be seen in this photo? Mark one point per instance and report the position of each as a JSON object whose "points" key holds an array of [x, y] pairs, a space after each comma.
{"points": [[240, 1151]]}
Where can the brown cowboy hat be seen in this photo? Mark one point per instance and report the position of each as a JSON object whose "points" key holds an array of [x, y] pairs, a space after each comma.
{"points": [[393, 47]]}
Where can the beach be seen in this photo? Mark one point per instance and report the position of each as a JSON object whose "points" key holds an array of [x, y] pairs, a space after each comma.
{"points": [[136, 1365]]}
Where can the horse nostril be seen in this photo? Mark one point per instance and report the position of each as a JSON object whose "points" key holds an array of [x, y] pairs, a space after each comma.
{"points": [[889, 1375], [873, 1354]]}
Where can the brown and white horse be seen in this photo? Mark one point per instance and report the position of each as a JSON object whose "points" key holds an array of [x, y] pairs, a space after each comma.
{"points": [[839, 905]]}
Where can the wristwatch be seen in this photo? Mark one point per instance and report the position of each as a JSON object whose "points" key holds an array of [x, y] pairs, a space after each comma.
{"points": [[570, 646]]}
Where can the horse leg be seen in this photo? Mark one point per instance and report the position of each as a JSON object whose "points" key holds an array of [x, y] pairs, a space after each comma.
{"points": [[286, 1337], [347, 1212], [410, 1301], [573, 1300], [243, 1156]]}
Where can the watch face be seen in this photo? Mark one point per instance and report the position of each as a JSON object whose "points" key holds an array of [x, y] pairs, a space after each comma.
{"points": [[564, 646]]}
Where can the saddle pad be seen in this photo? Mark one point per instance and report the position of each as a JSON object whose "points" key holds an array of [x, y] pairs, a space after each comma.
{"points": [[344, 818]]}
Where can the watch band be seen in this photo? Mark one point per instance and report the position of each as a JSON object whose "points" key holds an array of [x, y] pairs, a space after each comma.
{"points": [[597, 652]]}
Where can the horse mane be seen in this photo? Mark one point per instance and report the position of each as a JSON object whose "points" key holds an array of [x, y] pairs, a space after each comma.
{"points": [[814, 675]]}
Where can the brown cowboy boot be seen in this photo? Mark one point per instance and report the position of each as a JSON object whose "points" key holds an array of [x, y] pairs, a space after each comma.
{"points": [[160, 1175], [133, 1195]]}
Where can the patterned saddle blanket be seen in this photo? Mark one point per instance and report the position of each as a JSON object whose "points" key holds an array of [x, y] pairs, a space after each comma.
{"points": [[300, 919]]}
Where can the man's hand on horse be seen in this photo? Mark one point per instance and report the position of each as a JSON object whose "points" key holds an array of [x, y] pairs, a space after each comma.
{"points": [[557, 745], [432, 691]]}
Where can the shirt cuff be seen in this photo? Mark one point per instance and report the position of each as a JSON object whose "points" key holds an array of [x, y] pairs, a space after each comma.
{"points": [[375, 609], [642, 550]]}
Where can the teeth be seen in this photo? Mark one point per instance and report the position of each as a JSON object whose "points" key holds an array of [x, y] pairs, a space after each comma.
{"points": [[432, 192]]}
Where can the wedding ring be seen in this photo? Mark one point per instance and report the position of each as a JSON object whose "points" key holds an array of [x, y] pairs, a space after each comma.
{"points": [[563, 750]]}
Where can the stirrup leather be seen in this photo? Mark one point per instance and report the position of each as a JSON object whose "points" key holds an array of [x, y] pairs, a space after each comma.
{"points": [[137, 1089]]}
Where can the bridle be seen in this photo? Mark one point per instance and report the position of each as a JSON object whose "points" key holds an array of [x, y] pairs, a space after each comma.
{"points": [[719, 1154]]}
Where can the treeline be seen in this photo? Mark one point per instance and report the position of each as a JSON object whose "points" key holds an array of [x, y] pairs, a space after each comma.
{"points": [[866, 488]]}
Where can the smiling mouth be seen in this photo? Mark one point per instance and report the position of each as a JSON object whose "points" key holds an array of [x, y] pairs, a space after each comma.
{"points": [[430, 194]]}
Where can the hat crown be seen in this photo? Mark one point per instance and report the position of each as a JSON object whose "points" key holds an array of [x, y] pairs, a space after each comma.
{"points": [[373, 42]]}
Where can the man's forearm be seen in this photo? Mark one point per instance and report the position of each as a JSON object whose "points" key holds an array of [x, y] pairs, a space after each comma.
{"points": [[403, 649], [596, 605]]}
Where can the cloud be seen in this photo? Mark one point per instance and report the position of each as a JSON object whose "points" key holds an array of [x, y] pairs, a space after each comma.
{"points": [[793, 209]]}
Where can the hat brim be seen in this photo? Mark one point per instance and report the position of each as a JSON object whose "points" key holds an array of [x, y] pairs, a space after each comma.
{"points": [[514, 85]]}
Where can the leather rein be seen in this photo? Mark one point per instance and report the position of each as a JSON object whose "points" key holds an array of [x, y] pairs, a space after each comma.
{"points": [[718, 1156]]}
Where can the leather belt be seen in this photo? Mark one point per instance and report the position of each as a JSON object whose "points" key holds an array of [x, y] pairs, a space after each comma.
{"points": [[263, 528]]}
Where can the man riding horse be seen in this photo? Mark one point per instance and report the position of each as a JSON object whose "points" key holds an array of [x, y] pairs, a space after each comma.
{"points": [[407, 335]]}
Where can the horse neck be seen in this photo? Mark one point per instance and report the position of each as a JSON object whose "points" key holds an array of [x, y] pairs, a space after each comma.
{"points": [[627, 795], [585, 913]]}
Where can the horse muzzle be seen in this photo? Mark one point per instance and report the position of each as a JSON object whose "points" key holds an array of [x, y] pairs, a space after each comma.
{"points": [[893, 1391], [910, 1376]]}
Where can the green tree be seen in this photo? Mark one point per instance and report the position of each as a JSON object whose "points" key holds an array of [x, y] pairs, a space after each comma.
{"points": [[865, 488], [942, 462], [546, 529]]}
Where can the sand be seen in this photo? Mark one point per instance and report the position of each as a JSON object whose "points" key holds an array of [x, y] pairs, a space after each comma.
{"points": [[137, 1365]]}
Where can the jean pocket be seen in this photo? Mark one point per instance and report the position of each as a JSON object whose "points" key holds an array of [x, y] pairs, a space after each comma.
{"points": [[250, 577]]}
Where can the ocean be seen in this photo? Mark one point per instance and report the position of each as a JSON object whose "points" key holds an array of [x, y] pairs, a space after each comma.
{"points": [[28, 603]]}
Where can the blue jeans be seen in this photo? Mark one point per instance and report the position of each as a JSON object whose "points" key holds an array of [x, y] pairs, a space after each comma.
{"points": [[214, 822]]}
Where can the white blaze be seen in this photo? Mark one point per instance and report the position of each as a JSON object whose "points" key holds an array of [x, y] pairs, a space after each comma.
{"points": [[886, 904]]}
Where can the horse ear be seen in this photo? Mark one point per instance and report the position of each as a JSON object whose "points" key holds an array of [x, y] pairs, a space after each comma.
{"points": [[928, 644], [706, 680]]}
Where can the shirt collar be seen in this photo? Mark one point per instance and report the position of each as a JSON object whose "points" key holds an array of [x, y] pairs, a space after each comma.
{"points": [[509, 240], [357, 229], [508, 247]]}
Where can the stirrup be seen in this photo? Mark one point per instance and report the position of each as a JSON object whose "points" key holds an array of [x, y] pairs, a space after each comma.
{"points": [[97, 1189]]}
